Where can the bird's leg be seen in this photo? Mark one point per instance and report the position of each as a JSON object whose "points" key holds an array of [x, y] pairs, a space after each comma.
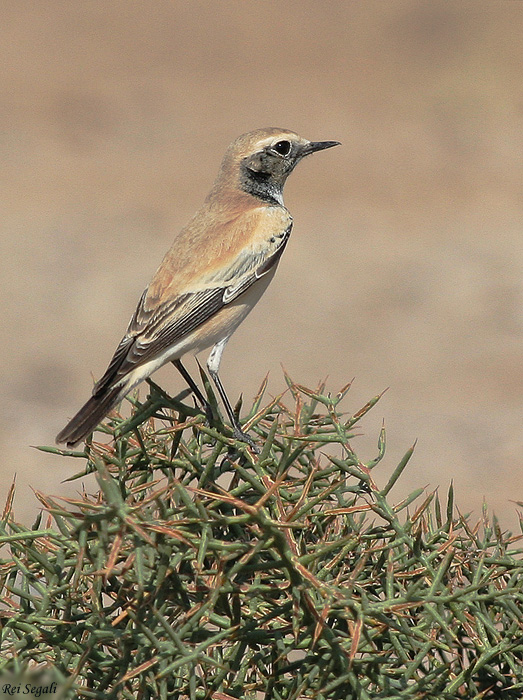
{"points": [[213, 364], [195, 390]]}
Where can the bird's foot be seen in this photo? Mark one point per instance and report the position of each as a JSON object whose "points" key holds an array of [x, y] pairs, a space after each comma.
{"points": [[239, 434]]}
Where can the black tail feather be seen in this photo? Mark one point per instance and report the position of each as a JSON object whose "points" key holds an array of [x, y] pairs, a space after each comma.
{"points": [[89, 416]]}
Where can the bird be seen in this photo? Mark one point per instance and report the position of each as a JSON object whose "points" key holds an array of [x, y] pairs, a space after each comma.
{"points": [[217, 269]]}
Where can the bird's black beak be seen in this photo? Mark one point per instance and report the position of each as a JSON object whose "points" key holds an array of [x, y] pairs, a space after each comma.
{"points": [[314, 146]]}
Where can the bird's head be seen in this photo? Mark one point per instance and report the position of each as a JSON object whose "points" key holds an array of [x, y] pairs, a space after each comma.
{"points": [[260, 161]]}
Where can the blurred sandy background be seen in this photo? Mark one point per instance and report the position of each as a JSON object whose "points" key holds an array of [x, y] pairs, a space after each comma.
{"points": [[405, 265]]}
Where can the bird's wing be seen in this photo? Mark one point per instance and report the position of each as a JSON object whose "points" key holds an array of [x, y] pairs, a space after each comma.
{"points": [[153, 329]]}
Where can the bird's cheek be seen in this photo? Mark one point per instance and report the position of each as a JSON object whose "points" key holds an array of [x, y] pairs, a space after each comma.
{"points": [[255, 163]]}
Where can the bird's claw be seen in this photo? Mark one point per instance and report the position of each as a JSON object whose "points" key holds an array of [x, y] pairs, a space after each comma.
{"points": [[239, 434]]}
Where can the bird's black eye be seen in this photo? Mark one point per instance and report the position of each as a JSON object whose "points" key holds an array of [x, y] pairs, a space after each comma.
{"points": [[282, 147]]}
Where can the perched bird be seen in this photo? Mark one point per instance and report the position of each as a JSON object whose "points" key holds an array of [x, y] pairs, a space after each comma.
{"points": [[217, 269]]}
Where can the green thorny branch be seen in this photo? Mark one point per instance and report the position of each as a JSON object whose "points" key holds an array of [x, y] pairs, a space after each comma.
{"points": [[203, 570]]}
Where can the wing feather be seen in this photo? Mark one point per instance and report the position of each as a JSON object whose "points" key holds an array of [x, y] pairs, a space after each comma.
{"points": [[153, 329]]}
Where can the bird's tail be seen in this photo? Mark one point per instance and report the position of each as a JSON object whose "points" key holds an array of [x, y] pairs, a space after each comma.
{"points": [[90, 415]]}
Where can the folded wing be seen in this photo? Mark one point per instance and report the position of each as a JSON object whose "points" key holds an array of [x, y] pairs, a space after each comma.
{"points": [[155, 328]]}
